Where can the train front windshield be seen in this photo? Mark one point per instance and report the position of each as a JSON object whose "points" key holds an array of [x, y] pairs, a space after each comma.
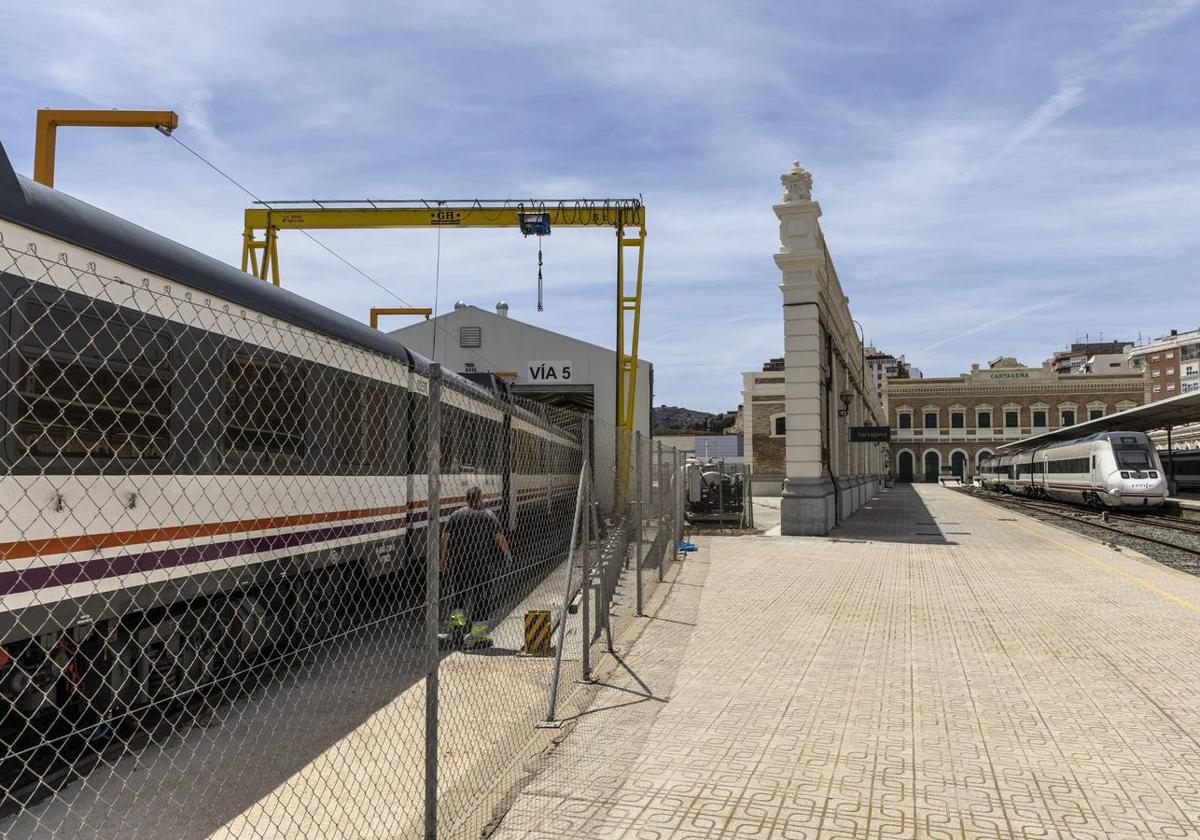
{"points": [[1133, 457]]}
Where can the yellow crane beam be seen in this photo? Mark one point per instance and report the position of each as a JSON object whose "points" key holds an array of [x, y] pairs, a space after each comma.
{"points": [[377, 311], [260, 256], [49, 120]]}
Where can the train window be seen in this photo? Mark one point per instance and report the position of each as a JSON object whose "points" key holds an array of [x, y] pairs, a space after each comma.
{"points": [[1133, 457], [417, 432], [1073, 466], [90, 408], [92, 381], [451, 453], [266, 406], [358, 423], [1012, 419]]}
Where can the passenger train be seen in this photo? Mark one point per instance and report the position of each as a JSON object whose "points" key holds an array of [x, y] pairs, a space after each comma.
{"points": [[200, 468], [1108, 469]]}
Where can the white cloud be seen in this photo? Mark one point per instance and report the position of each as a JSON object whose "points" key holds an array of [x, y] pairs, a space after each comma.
{"points": [[971, 163]]}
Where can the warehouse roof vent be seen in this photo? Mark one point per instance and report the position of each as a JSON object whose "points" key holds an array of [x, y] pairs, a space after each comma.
{"points": [[502, 308], [460, 304], [470, 337]]}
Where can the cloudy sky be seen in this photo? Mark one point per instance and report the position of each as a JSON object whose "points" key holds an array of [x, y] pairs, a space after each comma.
{"points": [[996, 178]]}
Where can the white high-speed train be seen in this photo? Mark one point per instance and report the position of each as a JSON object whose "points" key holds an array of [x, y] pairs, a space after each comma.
{"points": [[1108, 469], [198, 468]]}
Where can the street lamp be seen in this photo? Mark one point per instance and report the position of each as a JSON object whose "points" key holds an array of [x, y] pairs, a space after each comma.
{"points": [[846, 397]]}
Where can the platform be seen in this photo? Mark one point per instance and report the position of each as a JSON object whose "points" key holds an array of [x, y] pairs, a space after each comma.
{"points": [[937, 668], [1187, 502]]}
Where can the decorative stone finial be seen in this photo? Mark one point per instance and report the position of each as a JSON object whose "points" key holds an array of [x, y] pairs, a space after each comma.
{"points": [[797, 183]]}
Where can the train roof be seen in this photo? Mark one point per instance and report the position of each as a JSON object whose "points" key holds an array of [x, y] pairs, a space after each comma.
{"points": [[35, 206], [1160, 414], [1042, 443]]}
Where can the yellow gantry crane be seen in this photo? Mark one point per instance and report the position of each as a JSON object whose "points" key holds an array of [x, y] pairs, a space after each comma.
{"points": [[49, 119], [537, 217]]}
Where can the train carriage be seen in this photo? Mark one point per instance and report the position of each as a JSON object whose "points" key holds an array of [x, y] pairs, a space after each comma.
{"points": [[199, 467], [1107, 469]]}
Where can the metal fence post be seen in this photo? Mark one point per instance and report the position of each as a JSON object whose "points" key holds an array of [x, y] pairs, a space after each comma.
{"points": [[602, 590], [432, 599], [580, 512], [637, 505], [678, 486], [660, 498], [586, 591]]}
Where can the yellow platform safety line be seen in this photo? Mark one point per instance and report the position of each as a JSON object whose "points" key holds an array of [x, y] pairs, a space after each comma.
{"points": [[49, 120], [537, 633], [1183, 602], [260, 257], [377, 311]]}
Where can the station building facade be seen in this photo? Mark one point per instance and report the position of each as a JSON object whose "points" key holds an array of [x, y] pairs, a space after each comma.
{"points": [[942, 424], [826, 385], [764, 427]]}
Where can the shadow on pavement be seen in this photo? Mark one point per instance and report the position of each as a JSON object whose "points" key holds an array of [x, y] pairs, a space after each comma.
{"points": [[898, 514]]}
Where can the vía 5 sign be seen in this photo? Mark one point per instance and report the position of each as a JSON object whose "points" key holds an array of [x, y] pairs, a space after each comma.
{"points": [[544, 371]]}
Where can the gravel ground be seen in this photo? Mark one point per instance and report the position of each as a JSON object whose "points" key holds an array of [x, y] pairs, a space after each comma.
{"points": [[1081, 521]]}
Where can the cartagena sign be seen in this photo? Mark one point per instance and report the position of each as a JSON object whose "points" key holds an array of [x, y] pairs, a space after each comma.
{"points": [[870, 434]]}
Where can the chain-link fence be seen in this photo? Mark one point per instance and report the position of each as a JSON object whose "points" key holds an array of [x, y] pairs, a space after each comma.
{"points": [[260, 581]]}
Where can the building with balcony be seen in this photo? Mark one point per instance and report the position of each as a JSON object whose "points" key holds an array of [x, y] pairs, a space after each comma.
{"points": [[883, 366], [945, 425], [1094, 357], [1170, 364]]}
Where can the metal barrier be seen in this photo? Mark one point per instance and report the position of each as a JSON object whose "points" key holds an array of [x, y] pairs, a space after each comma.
{"points": [[262, 582]]}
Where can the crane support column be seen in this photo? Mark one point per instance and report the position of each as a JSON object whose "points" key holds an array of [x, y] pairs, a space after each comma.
{"points": [[627, 362]]}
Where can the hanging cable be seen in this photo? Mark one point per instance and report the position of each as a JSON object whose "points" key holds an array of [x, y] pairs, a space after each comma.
{"points": [[437, 327], [539, 309]]}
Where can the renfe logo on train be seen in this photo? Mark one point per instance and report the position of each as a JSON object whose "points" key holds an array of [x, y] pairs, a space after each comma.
{"points": [[550, 371]]}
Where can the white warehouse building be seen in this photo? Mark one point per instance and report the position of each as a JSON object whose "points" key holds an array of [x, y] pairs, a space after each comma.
{"points": [[537, 363]]}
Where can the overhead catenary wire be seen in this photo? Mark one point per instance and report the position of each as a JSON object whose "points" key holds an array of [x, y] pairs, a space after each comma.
{"points": [[437, 271]]}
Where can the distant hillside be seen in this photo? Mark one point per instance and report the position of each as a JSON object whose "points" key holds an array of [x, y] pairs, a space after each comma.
{"points": [[673, 419]]}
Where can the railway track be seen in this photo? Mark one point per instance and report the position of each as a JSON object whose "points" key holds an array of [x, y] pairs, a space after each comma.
{"points": [[1186, 545]]}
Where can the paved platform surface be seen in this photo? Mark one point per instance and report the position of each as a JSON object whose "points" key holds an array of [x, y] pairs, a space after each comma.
{"points": [[940, 668]]}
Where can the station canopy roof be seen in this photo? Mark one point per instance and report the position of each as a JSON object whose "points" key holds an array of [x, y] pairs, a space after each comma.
{"points": [[1173, 411]]}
